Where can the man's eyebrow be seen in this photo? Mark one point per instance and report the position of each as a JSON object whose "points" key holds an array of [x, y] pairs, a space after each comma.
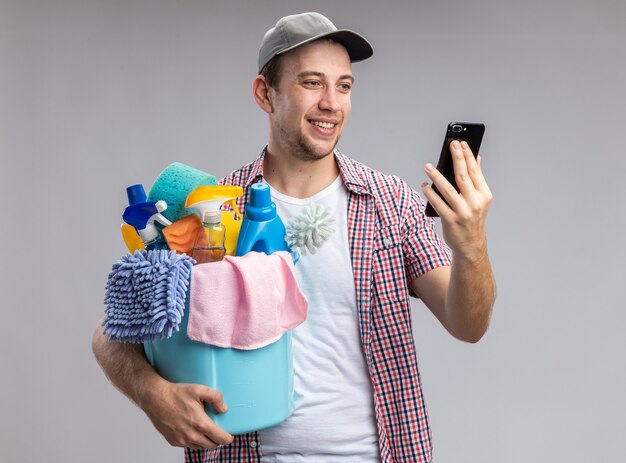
{"points": [[305, 74]]}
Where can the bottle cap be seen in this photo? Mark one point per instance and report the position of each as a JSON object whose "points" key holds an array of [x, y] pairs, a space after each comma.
{"points": [[260, 208], [136, 194], [139, 211], [212, 217]]}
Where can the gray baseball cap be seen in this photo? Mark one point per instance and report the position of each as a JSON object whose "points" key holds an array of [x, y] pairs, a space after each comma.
{"points": [[292, 31]]}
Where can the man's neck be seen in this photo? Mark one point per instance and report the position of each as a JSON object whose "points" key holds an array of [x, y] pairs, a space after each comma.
{"points": [[298, 178]]}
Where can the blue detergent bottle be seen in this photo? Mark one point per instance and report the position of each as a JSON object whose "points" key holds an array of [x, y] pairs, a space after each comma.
{"points": [[261, 229]]}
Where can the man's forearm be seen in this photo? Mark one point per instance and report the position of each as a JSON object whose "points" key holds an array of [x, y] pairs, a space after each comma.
{"points": [[463, 210], [470, 297], [126, 366], [176, 410]]}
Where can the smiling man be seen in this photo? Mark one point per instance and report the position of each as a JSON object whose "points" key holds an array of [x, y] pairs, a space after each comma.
{"points": [[356, 376], [307, 110]]}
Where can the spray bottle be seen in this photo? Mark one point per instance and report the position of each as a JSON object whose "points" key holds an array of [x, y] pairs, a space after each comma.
{"points": [[209, 245], [261, 229], [141, 215]]}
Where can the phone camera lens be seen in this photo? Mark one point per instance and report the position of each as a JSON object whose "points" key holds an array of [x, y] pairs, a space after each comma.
{"points": [[457, 128]]}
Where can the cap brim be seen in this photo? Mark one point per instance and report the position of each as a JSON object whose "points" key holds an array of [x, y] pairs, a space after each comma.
{"points": [[358, 47]]}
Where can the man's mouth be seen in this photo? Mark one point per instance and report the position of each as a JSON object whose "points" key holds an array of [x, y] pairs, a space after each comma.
{"points": [[323, 124]]}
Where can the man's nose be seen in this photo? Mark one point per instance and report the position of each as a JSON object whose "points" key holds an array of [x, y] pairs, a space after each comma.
{"points": [[329, 101]]}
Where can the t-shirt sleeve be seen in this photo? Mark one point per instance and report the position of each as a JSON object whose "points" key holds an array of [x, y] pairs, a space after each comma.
{"points": [[423, 248]]}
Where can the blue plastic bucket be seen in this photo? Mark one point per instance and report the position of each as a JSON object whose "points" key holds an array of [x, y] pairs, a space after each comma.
{"points": [[257, 385]]}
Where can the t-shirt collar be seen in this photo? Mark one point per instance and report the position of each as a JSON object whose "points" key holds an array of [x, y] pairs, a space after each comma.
{"points": [[350, 174]]}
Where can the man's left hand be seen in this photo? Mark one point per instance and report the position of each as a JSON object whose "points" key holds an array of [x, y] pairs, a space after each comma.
{"points": [[463, 217]]}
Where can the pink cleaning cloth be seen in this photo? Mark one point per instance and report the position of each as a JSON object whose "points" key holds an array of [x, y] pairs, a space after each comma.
{"points": [[245, 302]]}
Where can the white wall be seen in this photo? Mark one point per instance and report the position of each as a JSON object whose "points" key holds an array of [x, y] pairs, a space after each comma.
{"points": [[95, 96]]}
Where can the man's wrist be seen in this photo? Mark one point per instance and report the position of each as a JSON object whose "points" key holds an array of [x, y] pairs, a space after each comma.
{"points": [[148, 389], [472, 255]]}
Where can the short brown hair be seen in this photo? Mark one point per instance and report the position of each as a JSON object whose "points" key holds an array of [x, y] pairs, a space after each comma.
{"points": [[271, 71]]}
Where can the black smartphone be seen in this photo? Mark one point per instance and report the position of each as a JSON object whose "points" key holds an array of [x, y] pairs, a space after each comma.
{"points": [[470, 132]]}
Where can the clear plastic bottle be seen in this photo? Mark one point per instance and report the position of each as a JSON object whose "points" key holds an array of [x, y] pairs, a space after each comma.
{"points": [[209, 244]]}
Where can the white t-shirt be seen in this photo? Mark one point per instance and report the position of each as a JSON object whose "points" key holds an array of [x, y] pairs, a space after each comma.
{"points": [[334, 417]]}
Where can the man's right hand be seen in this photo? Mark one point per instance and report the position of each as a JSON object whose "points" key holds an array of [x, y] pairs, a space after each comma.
{"points": [[177, 411]]}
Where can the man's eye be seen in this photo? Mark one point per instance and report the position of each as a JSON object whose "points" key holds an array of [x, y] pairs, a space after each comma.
{"points": [[345, 87], [312, 83]]}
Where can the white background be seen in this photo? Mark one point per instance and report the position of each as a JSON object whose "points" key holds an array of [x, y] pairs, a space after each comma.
{"points": [[99, 95]]}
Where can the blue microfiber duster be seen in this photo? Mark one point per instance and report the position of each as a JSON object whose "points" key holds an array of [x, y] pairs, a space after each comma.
{"points": [[145, 295]]}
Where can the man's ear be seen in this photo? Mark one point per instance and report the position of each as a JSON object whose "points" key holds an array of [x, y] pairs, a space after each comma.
{"points": [[261, 91]]}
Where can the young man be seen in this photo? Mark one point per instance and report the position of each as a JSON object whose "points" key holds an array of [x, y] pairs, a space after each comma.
{"points": [[356, 374]]}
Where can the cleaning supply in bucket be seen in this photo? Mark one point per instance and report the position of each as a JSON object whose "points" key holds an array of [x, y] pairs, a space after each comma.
{"points": [[174, 184], [257, 384], [141, 214], [245, 302], [145, 295], [262, 229], [209, 244], [181, 235]]}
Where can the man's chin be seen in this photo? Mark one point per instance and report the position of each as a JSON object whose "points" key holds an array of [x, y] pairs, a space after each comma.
{"points": [[316, 155], [320, 150]]}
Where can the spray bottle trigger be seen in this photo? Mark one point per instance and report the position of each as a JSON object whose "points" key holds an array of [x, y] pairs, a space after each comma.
{"points": [[232, 227], [161, 219], [233, 204]]}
